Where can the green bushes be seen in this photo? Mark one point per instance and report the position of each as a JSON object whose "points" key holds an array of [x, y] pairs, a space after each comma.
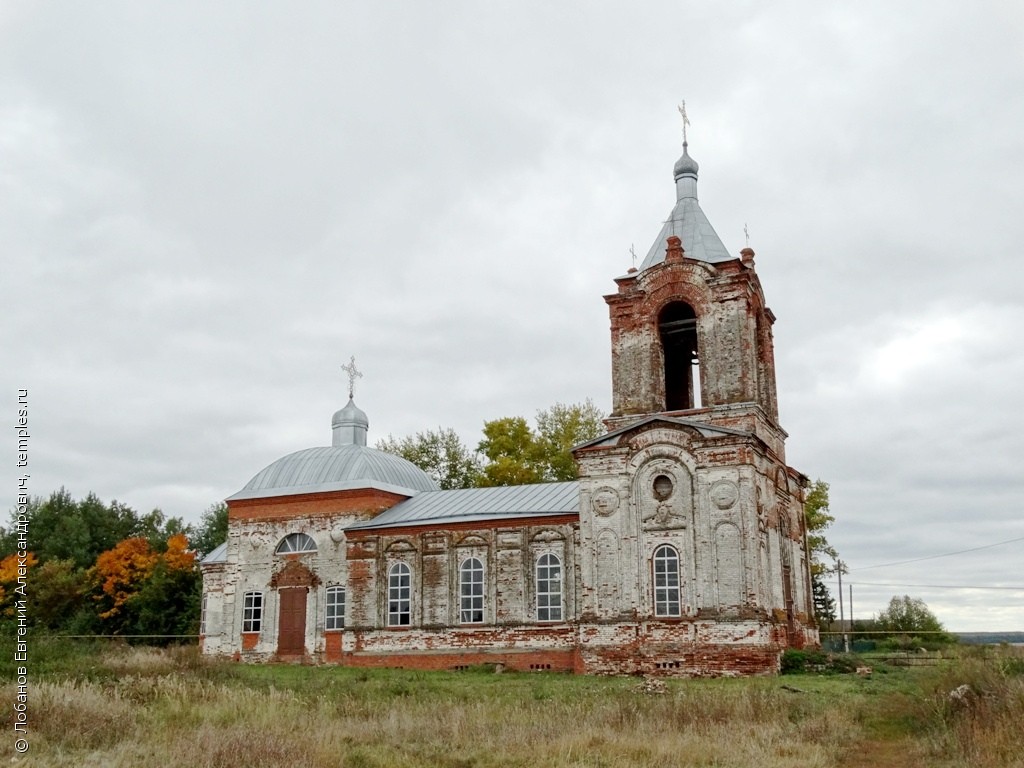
{"points": [[796, 661]]}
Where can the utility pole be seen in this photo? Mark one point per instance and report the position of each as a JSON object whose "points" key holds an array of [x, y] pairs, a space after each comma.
{"points": [[842, 618], [850, 587]]}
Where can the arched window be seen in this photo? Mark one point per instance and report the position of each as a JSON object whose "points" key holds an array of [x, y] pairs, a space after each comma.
{"points": [[334, 617], [471, 591], [677, 326], [549, 588], [295, 542], [399, 595], [666, 581]]}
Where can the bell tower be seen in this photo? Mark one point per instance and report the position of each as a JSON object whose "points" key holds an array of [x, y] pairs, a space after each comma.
{"points": [[690, 328], [692, 537]]}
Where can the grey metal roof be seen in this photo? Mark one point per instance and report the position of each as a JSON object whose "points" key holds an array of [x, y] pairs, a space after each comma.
{"points": [[217, 555], [688, 222], [337, 468], [480, 504]]}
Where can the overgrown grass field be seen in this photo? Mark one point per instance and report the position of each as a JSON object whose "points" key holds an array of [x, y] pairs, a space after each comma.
{"points": [[103, 705]]}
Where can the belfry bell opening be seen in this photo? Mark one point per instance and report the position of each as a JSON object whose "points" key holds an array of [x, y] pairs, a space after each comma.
{"points": [[677, 327]]}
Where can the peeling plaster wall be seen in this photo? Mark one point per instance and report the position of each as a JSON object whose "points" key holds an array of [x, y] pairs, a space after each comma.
{"points": [[255, 528], [710, 483], [733, 331], [510, 627], [732, 548]]}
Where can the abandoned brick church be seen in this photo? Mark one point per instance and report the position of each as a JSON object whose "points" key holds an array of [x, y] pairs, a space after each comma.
{"points": [[680, 550]]}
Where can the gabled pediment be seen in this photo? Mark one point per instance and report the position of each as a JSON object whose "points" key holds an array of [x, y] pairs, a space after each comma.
{"points": [[623, 434]]}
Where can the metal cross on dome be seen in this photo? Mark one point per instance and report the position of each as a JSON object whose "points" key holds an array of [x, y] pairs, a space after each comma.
{"points": [[353, 374], [686, 120]]}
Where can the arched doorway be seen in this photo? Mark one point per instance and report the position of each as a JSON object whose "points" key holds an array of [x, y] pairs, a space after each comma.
{"points": [[292, 583]]}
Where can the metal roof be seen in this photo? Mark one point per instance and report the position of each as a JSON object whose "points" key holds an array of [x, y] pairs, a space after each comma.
{"points": [[688, 222], [217, 555], [479, 504], [337, 468]]}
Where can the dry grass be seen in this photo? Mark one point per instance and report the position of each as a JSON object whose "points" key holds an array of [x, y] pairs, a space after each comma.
{"points": [[144, 707]]}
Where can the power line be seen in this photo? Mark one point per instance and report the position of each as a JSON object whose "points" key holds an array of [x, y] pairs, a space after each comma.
{"points": [[932, 586], [935, 557]]}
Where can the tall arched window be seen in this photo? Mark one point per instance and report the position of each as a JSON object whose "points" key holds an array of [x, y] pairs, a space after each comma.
{"points": [[677, 326], [335, 613], [296, 542], [549, 588], [399, 595], [666, 581], [471, 591]]}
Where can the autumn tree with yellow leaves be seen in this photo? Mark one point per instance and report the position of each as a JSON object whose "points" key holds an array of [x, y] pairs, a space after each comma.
{"points": [[101, 568], [10, 569]]}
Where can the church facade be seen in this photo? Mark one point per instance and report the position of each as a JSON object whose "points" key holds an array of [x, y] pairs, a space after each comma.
{"points": [[680, 550]]}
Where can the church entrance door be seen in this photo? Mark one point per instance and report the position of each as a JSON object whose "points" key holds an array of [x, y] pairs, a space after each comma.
{"points": [[291, 629]]}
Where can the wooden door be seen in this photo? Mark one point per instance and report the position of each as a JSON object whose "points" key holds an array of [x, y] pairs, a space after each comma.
{"points": [[291, 629]]}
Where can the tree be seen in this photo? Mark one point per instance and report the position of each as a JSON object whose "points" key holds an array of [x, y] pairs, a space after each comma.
{"points": [[440, 453], [824, 604], [120, 571], [10, 570], [94, 559], [517, 454], [167, 601], [818, 517], [560, 428], [212, 530], [65, 529], [512, 451], [146, 592], [158, 528], [59, 590], [909, 616]]}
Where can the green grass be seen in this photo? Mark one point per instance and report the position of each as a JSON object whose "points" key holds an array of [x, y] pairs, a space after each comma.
{"points": [[112, 705]]}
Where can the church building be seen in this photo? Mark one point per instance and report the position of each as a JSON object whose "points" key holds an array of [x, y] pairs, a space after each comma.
{"points": [[680, 550]]}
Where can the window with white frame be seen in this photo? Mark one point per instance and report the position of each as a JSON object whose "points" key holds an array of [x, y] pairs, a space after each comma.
{"points": [[471, 591], [202, 615], [399, 595], [549, 588], [252, 612], [335, 615], [294, 543], [666, 581]]}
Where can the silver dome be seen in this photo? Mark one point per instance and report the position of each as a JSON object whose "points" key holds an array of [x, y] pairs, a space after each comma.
{"points": [[336, 468]]}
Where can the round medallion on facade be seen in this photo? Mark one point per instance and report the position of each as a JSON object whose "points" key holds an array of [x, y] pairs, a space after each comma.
{"points": [[662, 487], [605, 501], [724, 494]]}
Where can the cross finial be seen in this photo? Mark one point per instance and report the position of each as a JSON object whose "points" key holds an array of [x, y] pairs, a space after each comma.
{"points": [[686, 120], [353, 374], [632, 253], [746, 233]]}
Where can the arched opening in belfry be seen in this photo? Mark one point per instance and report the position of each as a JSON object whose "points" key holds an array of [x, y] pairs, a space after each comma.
{"points": [[677, 326]]}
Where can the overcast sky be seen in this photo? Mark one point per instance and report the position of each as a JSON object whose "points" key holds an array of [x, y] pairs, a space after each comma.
{"points": [[205, 209]]}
